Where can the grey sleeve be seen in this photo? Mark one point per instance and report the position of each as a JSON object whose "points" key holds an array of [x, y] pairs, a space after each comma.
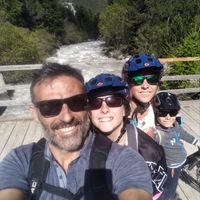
{"points": [[13, 171], [130, 171], [188, 137]]}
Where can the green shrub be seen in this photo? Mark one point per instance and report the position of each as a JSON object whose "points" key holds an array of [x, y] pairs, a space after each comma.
{"points": [[22, 46]]}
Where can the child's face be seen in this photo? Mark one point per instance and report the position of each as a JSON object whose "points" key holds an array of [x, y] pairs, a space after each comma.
{"points": [[167, 121]]}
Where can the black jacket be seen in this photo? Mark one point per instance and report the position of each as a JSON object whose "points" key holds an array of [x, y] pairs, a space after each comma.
{"points": [[152, 153]]}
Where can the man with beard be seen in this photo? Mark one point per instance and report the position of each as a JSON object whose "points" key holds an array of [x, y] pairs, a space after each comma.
{"points": [[59, 104]]}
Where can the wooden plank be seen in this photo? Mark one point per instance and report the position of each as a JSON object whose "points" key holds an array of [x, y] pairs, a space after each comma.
{"points": [[4, 68], [180, 77], [193, 103], [181, 59], [34, 132], [5, 133], [181, 193], [12, 102], [16, 138], [191, 110], [191, 120], [18, 87], [182, 91], [188, 192], [38, 66], [185, 191]]}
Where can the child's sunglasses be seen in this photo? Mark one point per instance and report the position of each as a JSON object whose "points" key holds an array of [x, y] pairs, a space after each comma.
{"points": [[111, 101], [51, 108], [172, 113], [152, 79]]}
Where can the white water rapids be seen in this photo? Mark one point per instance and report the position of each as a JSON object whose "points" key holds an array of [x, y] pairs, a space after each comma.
{"points": [[89, 58]]}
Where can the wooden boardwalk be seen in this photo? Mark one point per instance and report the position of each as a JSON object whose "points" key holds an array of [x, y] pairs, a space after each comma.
{"points": [[14, 132]]}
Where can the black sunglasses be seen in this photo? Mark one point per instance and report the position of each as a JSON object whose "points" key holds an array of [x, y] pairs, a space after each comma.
{"points": [[152, 79], [111, 101], [172, 113], [51, 108]]}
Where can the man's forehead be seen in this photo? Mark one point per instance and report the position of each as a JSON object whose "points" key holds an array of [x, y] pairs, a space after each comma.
{"points": [[60, 81], [60, 87]]}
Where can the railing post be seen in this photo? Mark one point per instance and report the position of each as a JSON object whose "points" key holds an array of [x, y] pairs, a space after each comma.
{"points": [[3, 91]]}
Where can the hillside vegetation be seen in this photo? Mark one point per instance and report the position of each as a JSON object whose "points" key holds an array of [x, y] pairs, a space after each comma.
{"points": [[30, 30], [169, 28]]}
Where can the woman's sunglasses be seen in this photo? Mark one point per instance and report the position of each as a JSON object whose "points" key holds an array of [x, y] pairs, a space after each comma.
{"points": [[172, 113], [111, 101], [152, 79], [51, 108]]}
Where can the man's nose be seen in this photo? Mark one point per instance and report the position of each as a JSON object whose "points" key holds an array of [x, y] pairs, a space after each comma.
{"points": [[65, 114]]}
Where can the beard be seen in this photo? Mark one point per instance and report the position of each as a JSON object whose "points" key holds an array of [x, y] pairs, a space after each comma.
{"points": [[71, 142]]}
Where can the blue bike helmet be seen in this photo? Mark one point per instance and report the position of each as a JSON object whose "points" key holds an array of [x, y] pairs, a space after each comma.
{"points": [[165, 101], [107, 84], [140, 63]]}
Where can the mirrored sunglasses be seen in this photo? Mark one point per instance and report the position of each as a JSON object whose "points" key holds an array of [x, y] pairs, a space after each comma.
{"points": [[111, 101], [152, 79], [172, 113], [51, 108]]}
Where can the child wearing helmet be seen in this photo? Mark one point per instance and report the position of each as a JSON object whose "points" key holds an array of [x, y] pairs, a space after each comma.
{"points": [[169, 134], [143, 73], [108, 102]]}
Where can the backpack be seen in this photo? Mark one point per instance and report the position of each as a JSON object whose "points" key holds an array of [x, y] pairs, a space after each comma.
{"points": [[98, 180], [153, 155]]}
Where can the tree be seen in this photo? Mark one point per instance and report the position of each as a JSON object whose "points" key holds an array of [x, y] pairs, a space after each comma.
{"points": [[34, 14], [189, 46], [112, 25], [21, 46], [148, 25]]}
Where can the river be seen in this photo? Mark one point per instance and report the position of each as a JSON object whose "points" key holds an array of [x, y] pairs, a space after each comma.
{"points": [[88, 57]]}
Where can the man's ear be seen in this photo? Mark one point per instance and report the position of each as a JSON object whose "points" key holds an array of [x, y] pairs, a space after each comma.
{"points": [[34, 112]]}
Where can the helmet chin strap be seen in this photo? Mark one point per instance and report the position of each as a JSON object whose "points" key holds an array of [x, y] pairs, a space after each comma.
{"points": [[123, 129], [141, 107]]}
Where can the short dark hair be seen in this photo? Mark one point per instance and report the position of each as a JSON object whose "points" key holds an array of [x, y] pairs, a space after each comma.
{"points": [[50, 70]]}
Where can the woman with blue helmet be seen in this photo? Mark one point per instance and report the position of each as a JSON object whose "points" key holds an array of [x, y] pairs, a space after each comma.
{"points": [[143, 73], [108, 103], [117, 95]]}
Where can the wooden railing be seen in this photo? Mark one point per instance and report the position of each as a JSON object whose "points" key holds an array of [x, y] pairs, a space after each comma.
{"points": [[9, 102]]}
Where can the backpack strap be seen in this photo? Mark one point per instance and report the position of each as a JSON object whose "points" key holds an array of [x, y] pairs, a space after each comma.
{"points": [[95, 177], [99, 153], [38, 169], [37, 174], [98, 179], [132, 132], [63, 192]]}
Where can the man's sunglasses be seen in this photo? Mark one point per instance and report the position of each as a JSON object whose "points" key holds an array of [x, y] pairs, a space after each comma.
{"points": [[111, 101], [152, 79], [51, 108], [172, 113]]}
